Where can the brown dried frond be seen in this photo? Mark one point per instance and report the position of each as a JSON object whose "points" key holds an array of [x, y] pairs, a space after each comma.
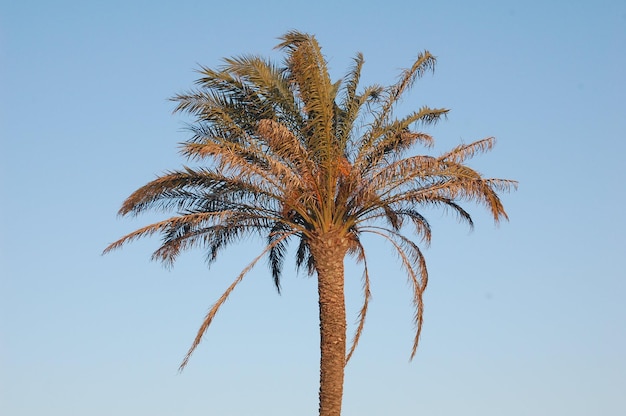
{"points": [[476, 189], [284, 144], [344, 167], [467, 151], [404, 171], [213, 311], [216, 306], [233, 158], [367, 294], [280, 139]]}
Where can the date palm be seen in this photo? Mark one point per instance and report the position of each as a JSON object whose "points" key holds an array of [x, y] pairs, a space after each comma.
{"points": [[292, 156]]}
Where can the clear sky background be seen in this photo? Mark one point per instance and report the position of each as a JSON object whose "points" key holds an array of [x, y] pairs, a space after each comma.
{"points": [[527, 318]]}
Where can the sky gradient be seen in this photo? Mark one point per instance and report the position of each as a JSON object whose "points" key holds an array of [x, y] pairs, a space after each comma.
{"points": [[527, 318]]}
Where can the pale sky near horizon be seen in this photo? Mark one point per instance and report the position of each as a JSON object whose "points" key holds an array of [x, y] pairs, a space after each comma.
{"points": [[524, 319]]}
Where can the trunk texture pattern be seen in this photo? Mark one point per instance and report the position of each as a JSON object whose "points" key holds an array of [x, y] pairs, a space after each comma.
{"points": [[329, 254]]}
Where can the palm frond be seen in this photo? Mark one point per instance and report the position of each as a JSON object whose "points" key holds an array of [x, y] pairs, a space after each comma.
{"points": [[304, 258], [270, 84], [351, 103], [483, 191], [278, 250], [213, 238], [425, 61], [396, 136], [284, 145], [410, 256], [463, 152], [307, 69], [421, 225], [195, 189], [161, 226], [216, 306], [234, 114], [367, 294], [235, 160]]}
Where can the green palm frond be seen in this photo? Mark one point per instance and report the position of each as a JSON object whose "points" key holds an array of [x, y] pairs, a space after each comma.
{"points": [[307, 70], [424, 62], [349, 109], [278, 243], [270, 83]]}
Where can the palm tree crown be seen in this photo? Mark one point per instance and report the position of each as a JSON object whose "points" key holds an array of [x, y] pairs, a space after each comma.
{"points": [[293, 156]]}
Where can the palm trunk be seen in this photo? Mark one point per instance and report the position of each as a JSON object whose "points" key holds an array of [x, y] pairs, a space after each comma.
{"points": [[329, 254]]}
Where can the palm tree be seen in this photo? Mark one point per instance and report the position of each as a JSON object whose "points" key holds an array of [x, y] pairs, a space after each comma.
{"points": [[291, 155]]}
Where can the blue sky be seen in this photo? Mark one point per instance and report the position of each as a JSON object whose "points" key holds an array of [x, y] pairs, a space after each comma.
{"points": [[527, 318]]}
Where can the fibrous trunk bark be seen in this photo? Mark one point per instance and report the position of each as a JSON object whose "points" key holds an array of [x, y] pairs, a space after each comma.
{"points": [[329, 255]]}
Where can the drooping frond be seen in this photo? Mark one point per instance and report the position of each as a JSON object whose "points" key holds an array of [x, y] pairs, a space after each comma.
{"points": [[414, 264], [304, 258], [216, 306], [276, 239], [366, 298], [420, 224]]}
